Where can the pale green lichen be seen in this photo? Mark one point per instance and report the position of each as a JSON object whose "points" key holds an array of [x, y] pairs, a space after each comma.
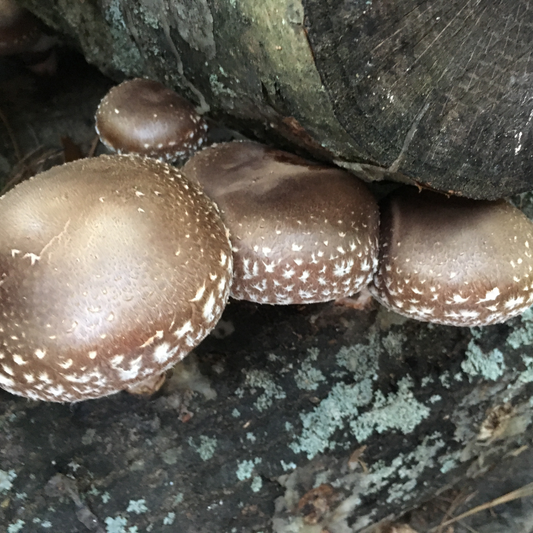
{"points": [[527, 375], [257, 483], [235, 413], [361, 359], [421, 458], [93, 491], [219, 88], [489, 365], [169, 519], [116, 525], [5, 480], [426, 380], [450, 461], [260, 379], [330, 415], [137, 506], [398, 478], [406, 466], [308, 377], [445, 379], [106, 497], [113, 14], [393, 343], [46, 524], [399, 411], [287, 466], [245, 469], [16, 526], [206, 448], [522, 336]]}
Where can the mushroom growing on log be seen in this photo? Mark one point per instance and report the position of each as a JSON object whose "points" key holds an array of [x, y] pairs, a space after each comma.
{"points": [[21, 33], [144, 117], [113, 269], [453, 261], [300, 232]]}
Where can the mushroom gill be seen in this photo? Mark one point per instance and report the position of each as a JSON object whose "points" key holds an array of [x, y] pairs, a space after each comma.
{"points": [[300, 232], [453, 260], [113, 269]]}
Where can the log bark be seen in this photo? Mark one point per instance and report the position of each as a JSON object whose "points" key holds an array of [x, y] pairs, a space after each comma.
{"points": [[432, 91], [304, 419]]}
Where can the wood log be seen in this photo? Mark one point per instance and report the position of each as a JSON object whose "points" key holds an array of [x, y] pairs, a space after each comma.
{"points": [[433, 92], [287, 419]]}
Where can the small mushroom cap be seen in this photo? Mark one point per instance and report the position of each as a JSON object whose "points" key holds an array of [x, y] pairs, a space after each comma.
{"points": [[19, 29], [300, 233], [453, 261], [145, 117], [113, 269]]}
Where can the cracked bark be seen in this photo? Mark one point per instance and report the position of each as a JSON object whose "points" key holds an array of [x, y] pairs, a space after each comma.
{"points": [[344, 82]]}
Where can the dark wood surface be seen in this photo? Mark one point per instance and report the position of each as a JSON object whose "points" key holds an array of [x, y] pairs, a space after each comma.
{"points": [[433, 91]]}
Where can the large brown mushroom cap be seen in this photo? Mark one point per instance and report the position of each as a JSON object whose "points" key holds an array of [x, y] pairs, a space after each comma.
{"points": [[453, 260], [300, 233], [113, 269], [145, 117]]}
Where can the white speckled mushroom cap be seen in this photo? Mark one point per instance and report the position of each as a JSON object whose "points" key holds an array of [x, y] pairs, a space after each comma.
{"points": [[144, 117], [300, 233], [453, 261], [113, 269]]}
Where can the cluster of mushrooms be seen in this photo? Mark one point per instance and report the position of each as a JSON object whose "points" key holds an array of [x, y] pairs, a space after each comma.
{"points": [[114, 268]]}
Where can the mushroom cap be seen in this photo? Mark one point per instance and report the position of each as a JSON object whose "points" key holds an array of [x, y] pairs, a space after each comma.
{"points": [[113, 269], [145, 117], [453, 261], [300, 232], [19, 29]]}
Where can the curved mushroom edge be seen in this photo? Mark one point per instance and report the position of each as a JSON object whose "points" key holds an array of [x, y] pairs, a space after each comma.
{"points": [[145, 117], [453, 261], [300, 232], [113, 269]]}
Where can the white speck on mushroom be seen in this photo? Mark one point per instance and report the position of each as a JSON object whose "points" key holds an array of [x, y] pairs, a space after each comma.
{"points": [[208, 307], [183, 330], [199, 294]]}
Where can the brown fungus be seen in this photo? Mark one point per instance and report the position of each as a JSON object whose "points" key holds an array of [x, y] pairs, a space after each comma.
{"points": [[113, 269], [454, 261], [145, 117], [300, 233]]}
